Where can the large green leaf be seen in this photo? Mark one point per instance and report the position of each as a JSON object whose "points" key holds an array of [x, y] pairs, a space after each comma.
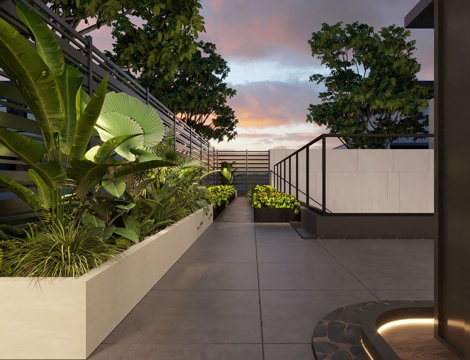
{"points": [[127, 233], [93, 221], [79, 170], [69, 83], [87, 121], [115, 187], [33, 79], [47, 45], [52, 172], [30, 151], [44, 191], [106, 149], [25, 194], [114, 124], [133, 110], [132, 223]]}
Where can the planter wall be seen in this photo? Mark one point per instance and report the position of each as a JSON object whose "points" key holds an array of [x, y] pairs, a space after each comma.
{"points": [[217, 210], [265, 214], [68, 318]]}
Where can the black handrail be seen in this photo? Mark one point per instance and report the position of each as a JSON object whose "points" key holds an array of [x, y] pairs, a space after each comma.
{"points": [[280, 166]]}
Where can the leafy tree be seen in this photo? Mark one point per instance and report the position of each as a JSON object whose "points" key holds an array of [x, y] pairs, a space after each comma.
{"points": [[198, 93], [150, 33], [372, 87]]}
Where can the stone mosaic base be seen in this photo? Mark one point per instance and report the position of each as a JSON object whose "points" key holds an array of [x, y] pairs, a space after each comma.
{"points": [[338, 335]]}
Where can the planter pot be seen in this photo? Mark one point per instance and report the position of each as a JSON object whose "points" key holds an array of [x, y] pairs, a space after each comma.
{"points": [[217, 210], [68, 318], [275, 215]]}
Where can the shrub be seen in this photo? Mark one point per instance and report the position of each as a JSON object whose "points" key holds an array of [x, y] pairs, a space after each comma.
{"points": [[220, 194], [268, 196]]}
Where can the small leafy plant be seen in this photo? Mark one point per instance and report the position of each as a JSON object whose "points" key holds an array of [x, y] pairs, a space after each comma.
{"points": [[220, 194], [268, 196]]}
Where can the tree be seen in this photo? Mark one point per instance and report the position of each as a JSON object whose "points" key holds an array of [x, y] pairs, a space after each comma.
{"points": [[372, 87], [198, 93], [150, 33]]}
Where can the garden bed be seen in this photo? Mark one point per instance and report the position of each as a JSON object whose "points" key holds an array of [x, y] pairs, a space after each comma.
{"points": [[68, 318], [274, 215]]}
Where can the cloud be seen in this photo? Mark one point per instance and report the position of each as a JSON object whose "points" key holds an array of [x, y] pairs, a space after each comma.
{"points": [[273, 103], [260, 29]]}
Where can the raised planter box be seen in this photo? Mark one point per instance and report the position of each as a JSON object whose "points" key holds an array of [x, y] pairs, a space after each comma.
{"points": [[271, 215], [68, 318], [217, 210]]}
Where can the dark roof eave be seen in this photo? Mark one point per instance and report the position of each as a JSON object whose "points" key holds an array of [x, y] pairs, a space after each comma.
{"points": [[421, 16]]}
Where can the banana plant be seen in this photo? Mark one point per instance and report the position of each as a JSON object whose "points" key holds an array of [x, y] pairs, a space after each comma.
{"points": [[66, 118], [226, 173]]}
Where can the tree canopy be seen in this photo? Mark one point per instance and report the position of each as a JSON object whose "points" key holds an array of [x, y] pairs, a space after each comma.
{"points": [[372, 87], [198, 93], [150, 33]]}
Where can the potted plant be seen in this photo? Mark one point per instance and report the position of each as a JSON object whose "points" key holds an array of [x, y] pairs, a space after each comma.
{"points": [[271, 205]]}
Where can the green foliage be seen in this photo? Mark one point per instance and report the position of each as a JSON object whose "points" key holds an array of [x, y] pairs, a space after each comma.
{"points": [[268, 196], [372, 87], [167, 35], [226, 173], [220, 194], [198, 93], [173, 194], [60, 250], [162, 42]]}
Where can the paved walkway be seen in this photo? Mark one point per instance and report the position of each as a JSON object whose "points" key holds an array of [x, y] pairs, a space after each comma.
{"points": [[248, 291]]}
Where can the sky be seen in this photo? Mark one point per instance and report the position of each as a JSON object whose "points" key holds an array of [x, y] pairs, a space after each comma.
{"points": [[265, 43]]}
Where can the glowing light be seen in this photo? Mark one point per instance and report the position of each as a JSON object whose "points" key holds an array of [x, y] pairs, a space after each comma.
{"points": [[367, 351], [405, 322]]}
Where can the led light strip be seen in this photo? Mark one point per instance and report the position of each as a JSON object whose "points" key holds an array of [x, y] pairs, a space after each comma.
{"points": [[397, 323], [405, 322]]}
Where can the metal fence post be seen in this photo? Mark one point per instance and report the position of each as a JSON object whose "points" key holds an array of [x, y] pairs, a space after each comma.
{"points": [[323, 142], [307, 172], [89, 47], [297, 175]]}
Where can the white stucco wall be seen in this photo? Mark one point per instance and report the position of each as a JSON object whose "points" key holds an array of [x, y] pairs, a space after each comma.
{"points": [[366, 181]]}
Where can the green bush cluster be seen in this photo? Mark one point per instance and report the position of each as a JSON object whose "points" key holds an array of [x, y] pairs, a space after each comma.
{"points": [[268, 196], [92, 203], [220, 194]]}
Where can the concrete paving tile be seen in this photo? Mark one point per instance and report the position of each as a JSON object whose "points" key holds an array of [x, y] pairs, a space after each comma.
{"points": [[279, 234], [288, 352], [324, 274], [192, 317], [210, 276], [219, 253], [228, 234], [421, 295], [291, 316], [293, 254], [178, 352]]}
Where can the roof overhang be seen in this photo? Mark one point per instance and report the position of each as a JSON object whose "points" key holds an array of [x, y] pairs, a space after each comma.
{"points": [[421, 16]]}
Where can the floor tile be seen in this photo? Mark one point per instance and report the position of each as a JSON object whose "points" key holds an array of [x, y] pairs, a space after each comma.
{"points": [[325, 274], [291, 316], [219, 254], [192, 317], [178, 352], [421, 295], [296, 254], [210, 276], [276, 234], [288, 352]]}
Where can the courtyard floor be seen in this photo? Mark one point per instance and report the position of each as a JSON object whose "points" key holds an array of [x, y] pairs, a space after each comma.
{"points": [[247, 291]]}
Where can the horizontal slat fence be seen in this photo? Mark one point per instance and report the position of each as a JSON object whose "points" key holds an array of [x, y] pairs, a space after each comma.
{"points": [[251, 167]]}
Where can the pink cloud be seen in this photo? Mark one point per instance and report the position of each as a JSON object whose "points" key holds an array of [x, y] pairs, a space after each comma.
{"points": [[272, 104]]}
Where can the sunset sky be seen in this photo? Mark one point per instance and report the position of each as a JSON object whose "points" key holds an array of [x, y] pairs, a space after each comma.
{"points": [[265, 45]]}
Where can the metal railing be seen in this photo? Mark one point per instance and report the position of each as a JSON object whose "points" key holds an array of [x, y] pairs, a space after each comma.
{"points": [[288, 173]]}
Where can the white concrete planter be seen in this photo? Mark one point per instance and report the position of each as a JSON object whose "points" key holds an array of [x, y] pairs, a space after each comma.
{"points": [[68, 318]]}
